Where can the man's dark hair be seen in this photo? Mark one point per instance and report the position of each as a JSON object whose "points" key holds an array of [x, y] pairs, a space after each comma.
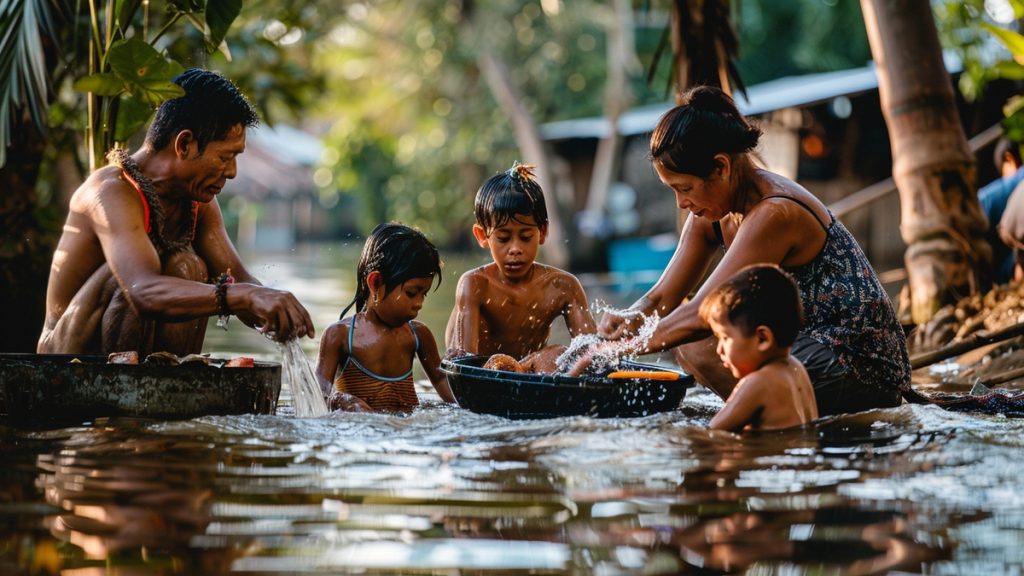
{"points": [[508, 194], [211, 106], [758, 295]]}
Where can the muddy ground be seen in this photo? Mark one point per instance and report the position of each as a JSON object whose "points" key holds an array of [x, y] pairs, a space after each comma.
{"points": [[999, 366]]}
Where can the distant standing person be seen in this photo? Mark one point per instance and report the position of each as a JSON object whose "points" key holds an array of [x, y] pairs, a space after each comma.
{"points": [[144, 259], [507, 307], [994, 198], [365, 360], [851, 344], [755, 316]]}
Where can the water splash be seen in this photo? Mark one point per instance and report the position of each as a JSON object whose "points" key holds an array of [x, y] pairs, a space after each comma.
{"points": [[610, 353], [297, 373]]}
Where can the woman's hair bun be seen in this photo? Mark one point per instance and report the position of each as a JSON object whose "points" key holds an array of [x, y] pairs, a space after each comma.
{"points": [[710, 99]]}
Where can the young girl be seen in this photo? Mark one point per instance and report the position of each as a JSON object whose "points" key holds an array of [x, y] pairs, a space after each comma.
{"points": [[367, 358]]}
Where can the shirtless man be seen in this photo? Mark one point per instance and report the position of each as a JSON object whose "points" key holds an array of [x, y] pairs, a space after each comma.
{"points": [[145, 235], [508, 306]]}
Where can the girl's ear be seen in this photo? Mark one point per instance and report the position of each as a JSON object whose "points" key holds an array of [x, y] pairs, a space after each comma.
{"points": [[543, 233], [765, 337], [183, 143], [480, 234], [373, 280]]}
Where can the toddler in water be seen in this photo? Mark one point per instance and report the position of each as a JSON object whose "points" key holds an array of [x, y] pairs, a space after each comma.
{"points": [[367, 358], [755, 315], [507, 307]]}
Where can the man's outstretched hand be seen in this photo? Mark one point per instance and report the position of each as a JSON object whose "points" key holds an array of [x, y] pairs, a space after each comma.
{"points": [[274, 312]]}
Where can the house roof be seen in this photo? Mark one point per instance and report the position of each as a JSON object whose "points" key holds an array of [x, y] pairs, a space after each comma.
{"points": [[778, 94], [278, 162]]}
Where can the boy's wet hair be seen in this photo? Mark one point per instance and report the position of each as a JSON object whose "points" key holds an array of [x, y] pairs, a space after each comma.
{"points": [[514, 192], [705, 123], [758, 295], [399, 253], [211, 106]]}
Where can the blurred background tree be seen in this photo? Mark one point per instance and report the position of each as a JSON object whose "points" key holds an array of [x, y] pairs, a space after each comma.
{"points": [[395, 89]]}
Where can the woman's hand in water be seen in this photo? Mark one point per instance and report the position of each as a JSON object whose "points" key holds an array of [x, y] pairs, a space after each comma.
{"points": [[347, 402], [605, 355], [615, 326]]}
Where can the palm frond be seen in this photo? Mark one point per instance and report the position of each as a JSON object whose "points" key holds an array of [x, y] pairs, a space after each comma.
{"points": [[23, 71], [704, 46]]}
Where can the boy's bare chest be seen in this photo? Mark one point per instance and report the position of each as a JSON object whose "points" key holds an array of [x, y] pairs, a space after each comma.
{"points": [[522, 312]]}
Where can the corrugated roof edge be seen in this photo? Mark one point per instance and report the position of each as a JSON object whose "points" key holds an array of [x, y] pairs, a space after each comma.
{"points": [[778, 94]]}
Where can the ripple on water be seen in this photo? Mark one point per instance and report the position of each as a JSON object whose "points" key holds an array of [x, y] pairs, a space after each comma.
{"points": [[444, 489]]}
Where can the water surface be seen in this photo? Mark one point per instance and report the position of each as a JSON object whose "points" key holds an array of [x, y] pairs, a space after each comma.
{"points": [[445, 491]]}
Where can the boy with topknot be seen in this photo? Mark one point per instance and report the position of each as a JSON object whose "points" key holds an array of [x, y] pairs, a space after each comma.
{"points": [[507, 306]]}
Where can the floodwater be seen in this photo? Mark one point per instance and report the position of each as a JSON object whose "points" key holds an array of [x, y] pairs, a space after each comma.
{"points": [[445, 491]]}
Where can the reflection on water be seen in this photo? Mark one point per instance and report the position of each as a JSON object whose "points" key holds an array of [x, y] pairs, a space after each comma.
{"points": [[911, 489], [445, 491]]}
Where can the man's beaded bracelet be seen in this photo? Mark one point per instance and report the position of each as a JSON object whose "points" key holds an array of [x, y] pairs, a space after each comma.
{"points": [[221, 293]]}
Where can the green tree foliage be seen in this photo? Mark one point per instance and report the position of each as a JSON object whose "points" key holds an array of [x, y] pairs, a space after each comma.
{"points": [[414, 127], [985, 36], [792, 37], [970, 29]]}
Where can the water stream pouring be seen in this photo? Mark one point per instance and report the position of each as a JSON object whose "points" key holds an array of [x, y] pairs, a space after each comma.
{"points": [[297, 374]]}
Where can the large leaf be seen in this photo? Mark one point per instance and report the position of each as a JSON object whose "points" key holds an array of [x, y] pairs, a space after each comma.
{"points": [[1009, 69], [132, 115], [1018, 9], [23, 72], [219, 16], [105, 84], [186, 6], [124, 11], [1013, 41], [146, 74], [1013, 123]]}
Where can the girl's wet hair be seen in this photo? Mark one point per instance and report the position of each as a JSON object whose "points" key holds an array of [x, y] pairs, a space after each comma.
{"points": [[758, 295], [212, 105], [399, 253], [704, 124], [509, 194]]}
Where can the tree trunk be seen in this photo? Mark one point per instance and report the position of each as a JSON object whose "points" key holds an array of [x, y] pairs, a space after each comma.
{"points": [[618, 23], [528, 138], [593, 222], [942, 224]]}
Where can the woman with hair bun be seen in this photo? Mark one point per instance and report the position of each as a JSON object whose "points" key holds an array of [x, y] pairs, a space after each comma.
{"points": [[852, 345]]}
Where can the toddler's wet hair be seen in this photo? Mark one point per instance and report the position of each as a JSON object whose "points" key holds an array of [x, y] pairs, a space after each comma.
{"points": [[758, 295], [514, 192], [399, 253]]}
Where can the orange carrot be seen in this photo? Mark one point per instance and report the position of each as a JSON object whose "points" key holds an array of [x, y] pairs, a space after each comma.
{"points": [[646, 374]]}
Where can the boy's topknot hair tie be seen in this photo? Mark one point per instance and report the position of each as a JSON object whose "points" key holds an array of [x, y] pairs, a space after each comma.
{"points": [[522, 171]]}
